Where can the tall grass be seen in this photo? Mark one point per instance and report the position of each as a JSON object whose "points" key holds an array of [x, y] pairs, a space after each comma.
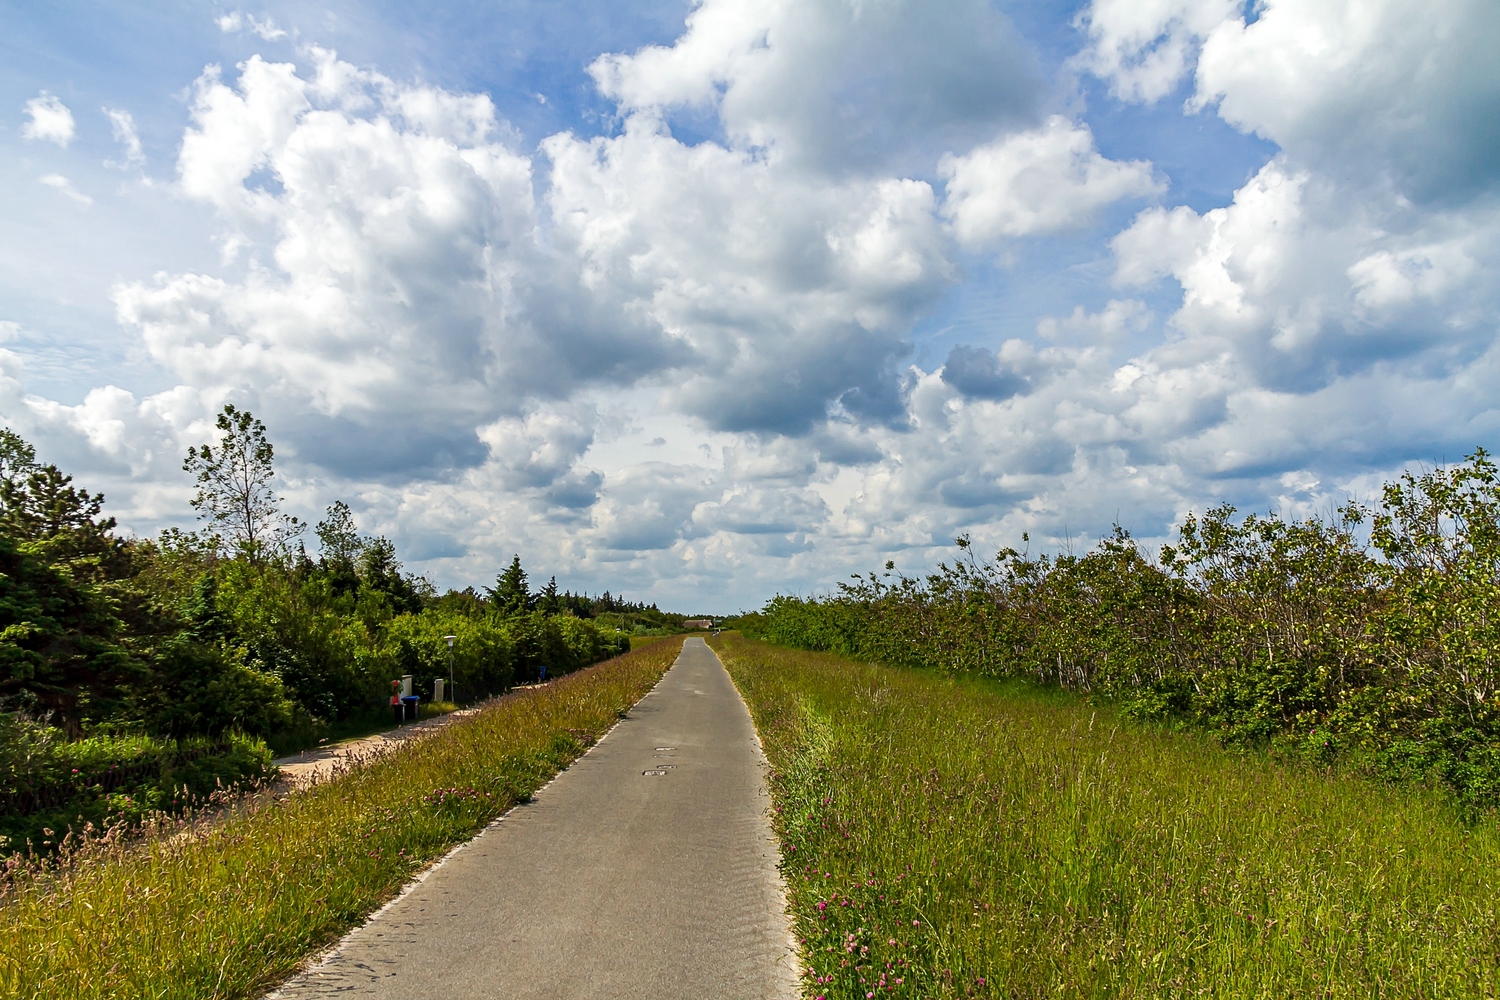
{"points": [[969, 837], [231, 908]]}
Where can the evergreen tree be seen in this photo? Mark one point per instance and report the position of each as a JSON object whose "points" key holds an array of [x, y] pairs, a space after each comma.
{"points": [[59, 649], [511, 596], [548, 600]]}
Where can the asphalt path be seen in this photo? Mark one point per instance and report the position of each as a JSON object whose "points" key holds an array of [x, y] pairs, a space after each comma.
{"points": [[647, 869]]}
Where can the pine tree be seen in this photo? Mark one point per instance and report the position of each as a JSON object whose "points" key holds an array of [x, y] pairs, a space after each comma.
{"points": [[548, 600], [510, 595]]}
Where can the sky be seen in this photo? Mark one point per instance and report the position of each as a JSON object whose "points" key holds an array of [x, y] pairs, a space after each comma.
{"points": [[707, 301]]}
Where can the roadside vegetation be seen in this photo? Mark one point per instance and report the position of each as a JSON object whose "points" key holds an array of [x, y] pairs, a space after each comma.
{"points": [[963, 836], [141, 674], [1368, 641], [228, 908]]}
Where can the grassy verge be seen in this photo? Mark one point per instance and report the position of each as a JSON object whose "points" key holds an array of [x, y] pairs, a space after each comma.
{"points": [[231, 909], [965, 838]]}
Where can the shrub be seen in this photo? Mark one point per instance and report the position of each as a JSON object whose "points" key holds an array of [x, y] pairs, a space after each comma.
{"points": [[50, 785], [1384, 653]]}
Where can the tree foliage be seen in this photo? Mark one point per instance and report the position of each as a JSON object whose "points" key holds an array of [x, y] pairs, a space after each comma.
{"points": [[235, 494], [197, 645]]}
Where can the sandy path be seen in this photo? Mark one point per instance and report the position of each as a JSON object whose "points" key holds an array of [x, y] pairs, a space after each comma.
{"points": [[311, 766]]}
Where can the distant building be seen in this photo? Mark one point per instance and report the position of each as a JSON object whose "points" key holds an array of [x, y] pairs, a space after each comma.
{"points": [[696, 623]]}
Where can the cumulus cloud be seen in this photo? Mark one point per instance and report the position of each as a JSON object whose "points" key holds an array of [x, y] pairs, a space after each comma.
{"points": [[785, 293], [978, 373], [837, 84], [541, 452], [1038, 181], [638, 357], [1144, 48], [393, 239], [1395, 91], [50, 120]]}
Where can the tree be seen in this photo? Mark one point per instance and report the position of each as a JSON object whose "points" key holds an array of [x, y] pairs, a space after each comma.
{"points": [[339, 536], [379, 570], [548, 600], [17, 458], [234, 486], [59, 649], [60, 524], [510, 596]]}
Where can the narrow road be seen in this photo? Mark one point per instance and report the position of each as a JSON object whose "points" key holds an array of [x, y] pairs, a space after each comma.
{"points": [[647, 869]]}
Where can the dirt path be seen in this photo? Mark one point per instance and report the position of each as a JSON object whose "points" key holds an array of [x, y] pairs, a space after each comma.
{"points": [[311, 766], [646, 870]]}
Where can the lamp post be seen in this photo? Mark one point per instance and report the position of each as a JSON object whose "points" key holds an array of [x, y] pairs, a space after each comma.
{"points": [[451, 695]]}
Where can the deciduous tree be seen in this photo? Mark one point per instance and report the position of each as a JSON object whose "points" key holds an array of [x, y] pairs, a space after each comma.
{"points": [[235, 494]]}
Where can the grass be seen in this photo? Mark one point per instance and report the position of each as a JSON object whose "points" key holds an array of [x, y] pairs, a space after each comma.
{"points": [[230, 908], [954, 838]]}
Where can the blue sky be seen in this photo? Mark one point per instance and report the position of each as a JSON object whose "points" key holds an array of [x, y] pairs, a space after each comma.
{"points": [[707, 301]]}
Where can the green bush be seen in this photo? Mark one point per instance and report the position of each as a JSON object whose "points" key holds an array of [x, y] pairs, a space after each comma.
{"points": [[483, 655], [1371, 639], [50, 785]]}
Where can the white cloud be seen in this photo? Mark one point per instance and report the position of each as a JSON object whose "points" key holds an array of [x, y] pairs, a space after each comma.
{"points": [[1399, 91], [631, 358], [784, 293], [122, 124], [51, 121], [1040, 181], [1402, 91], [838, 84], [1144, 48], [240, 21], [395, 241], [65, 187]]}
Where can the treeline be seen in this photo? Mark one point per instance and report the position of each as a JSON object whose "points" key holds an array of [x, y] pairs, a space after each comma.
{"points": [[138, 674], [605, 610], [1370, 638]]}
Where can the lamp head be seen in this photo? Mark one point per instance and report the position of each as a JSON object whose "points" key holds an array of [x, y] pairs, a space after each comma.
{"points": [[450, 639]]}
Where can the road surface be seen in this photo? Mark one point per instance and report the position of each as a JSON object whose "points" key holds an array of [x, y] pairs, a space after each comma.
{"points": [[647, 869]]}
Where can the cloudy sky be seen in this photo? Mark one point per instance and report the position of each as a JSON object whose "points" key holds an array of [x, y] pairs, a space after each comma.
{"points": [[706, 301]]}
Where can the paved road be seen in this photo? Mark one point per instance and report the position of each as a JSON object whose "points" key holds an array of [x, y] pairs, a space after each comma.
{"points": [[647, 869]]}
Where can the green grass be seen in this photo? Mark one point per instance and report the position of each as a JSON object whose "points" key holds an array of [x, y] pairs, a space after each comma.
{"points": [[229, 909], [962, 838]]}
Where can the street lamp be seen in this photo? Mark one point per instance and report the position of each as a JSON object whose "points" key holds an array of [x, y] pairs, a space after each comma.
{"points": [[451, 695]]}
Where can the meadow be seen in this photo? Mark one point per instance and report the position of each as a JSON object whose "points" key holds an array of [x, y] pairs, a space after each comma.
{"points": [[229, 906], [956, 836]]}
